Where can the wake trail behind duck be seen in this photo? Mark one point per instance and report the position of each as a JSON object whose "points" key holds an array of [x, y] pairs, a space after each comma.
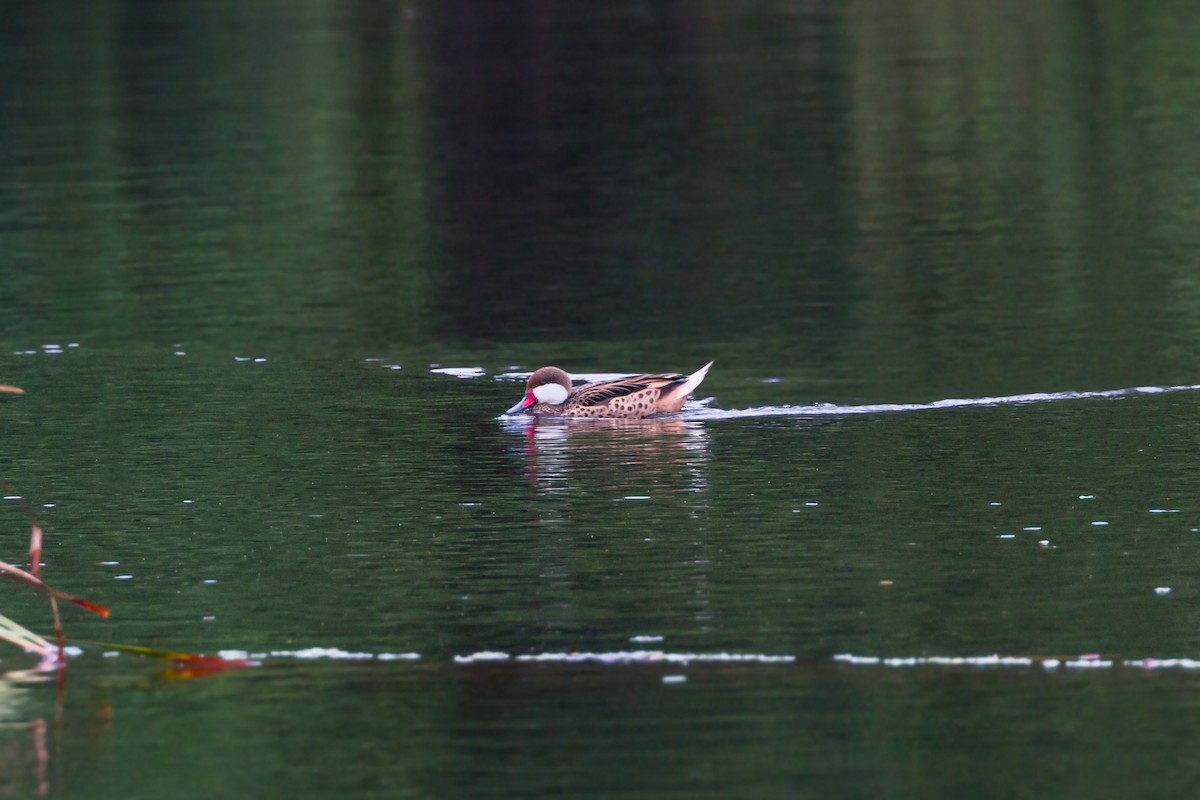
{"points": [[832, 410]]}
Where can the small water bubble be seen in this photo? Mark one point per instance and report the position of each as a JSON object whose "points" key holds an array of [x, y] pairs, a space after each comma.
{"points": [[207, 618], [993, 504], [1164, 511], [1087, 497], [241, 358], [180, 353], [187, 502], [1099, 523], [108, 563], [1032, 528], [1007, 536], [209, 581], [72, 344], [636, 497], [1162, 590], [260, 361], [122, 577], [673, 679], [48, 505], [12, 497]]}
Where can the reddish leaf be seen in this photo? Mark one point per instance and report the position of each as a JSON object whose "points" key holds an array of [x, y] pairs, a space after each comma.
{"points": [[6, 389], [203, 666], [187, 665]]}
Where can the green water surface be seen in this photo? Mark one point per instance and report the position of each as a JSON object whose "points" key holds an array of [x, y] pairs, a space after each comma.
{"points": [[239, 241]]}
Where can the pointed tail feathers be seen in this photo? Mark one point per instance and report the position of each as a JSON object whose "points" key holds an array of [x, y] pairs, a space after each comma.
{"points": [[680, 393]]}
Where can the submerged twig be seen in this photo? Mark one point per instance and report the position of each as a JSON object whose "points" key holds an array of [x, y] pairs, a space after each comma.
{"points": [[11, 631], [21, 576]]}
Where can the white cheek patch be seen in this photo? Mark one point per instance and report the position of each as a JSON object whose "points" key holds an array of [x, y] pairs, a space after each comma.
{"points": [[551, 393]]}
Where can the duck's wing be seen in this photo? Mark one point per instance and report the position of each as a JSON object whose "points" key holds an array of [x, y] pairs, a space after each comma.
{"points": [[600, 392]]}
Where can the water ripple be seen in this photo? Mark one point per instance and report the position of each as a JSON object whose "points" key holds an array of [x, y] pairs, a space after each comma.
{"points": [[698, 412], [1089, 661]]}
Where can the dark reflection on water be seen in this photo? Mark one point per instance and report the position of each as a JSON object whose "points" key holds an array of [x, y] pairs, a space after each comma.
{"points": [[643, 162]]}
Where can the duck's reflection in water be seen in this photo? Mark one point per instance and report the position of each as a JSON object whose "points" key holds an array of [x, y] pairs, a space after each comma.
{"points": [[590, 477], [633, 457]]}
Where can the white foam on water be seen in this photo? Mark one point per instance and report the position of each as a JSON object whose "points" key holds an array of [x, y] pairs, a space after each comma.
{"points": [[335, 653], [1083, 662], [655, 657], [482, 656], [458, 372], [1090, 661], [832, 410]]}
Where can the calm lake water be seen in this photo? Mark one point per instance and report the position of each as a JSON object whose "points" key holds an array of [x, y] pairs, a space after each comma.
{"points": [[270, 273]]}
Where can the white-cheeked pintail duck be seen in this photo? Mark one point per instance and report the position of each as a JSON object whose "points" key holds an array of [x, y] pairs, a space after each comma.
{"points": [[549, 392]]}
